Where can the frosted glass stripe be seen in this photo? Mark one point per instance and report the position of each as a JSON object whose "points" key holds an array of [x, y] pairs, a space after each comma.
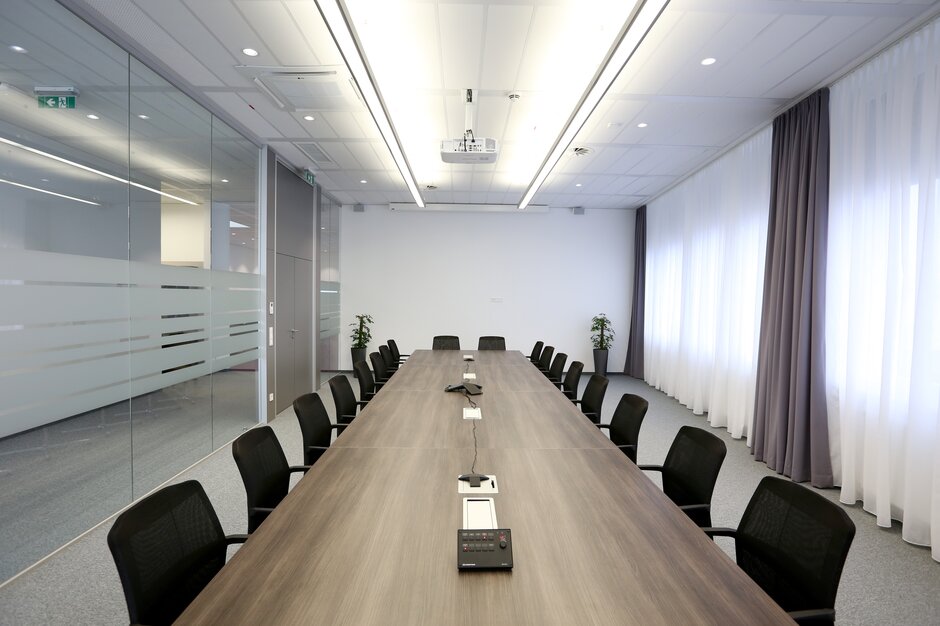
{"points": [[155, 324]]}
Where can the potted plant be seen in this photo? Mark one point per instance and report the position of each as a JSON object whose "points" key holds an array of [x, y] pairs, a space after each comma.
{"points": [[602, 335], [361, 336]]}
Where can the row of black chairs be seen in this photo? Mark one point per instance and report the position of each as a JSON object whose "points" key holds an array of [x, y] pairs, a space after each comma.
{"points": [[179, 524], [790, 541], [452, 342]]}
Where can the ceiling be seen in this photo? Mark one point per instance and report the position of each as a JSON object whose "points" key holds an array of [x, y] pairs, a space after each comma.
{"points": [[424, 54]]}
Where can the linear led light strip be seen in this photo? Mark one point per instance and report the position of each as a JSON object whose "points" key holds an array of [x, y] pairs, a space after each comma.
{"points": [[94, 171], [51, 193], [629, 42], [336, 18]]}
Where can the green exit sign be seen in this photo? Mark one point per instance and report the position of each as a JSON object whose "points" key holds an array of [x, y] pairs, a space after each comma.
{"points": [[56, 102], [308, 176]]}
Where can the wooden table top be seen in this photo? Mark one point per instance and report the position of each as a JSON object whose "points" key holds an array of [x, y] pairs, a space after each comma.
{"points": [[368, 536]]}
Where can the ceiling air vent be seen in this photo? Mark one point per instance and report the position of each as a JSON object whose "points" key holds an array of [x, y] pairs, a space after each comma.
{"points": [[315, 152], [582, 151], [305, 88]]}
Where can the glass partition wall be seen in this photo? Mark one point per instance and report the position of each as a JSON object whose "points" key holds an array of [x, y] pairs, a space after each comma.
{"points": [[129, 273], [329, 287]]}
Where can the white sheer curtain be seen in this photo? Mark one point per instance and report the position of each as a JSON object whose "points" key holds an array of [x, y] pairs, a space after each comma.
{"points": [[705, 247], [883, 286]]}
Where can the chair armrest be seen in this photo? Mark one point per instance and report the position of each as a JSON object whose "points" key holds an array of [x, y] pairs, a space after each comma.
{"points": [[299, 468], [324, 448], [719, 531], [347, 418], [651, 468], [695, 507], [626, 446], [362, 403], [813, 616], [339, 428], [591, 417], [233, 539], [557, 383], [575, 400], [607, 426]]}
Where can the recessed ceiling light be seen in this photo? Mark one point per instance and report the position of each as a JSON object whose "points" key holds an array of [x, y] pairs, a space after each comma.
{"points": [[708, 61], [224, 180], [144, 117], [309, 118], [642, 125], [614, 124], [92, 116], [45, 180], [577, 184], [363, 181], [18, 49], [251, 52]]}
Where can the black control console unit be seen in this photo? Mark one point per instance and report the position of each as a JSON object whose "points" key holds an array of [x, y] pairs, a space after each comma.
{"points": [[484, 549]]}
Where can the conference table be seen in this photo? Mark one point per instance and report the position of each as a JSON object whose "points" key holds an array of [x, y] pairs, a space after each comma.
{"points": [[369, 534]]}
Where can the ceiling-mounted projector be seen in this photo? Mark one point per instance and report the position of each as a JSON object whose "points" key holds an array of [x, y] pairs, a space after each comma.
{"points": [[481, 150], [469, 149]]}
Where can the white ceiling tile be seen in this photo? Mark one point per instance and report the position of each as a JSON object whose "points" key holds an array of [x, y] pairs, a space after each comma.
{"points": [[461, 40], [504, 43], [282, 35]]}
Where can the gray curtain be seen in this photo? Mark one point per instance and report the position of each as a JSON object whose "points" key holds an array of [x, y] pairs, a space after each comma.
{"points": [[790, 422], [634, 364]]}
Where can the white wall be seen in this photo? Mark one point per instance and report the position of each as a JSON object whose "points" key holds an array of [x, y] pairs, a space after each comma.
{"points": [[421, 274]]}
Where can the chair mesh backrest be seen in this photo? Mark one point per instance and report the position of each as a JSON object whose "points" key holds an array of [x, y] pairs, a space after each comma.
{"points": [[593, 399], [445, 342], [536, 351], [573, 379], [394, 348], [626, 421], [491, 342], [343, 397], [366, 382], [378, 366], [315, 427], [390, 362], [691, 468], [545, 361], [167, 547], [264, 470], [793, 543], [558, 366]]}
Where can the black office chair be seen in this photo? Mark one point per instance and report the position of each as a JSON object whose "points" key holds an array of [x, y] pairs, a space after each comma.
{"points": [[690, 471], [545, 360], [569, 386], [445, 342], [536, 352], [367, 385], [316, 430], [167, 548], [264, 470], [344, 399], [491, 342], [395, 353], [625, 423], [558, 367], [378, 366], [593, 398], [793, 543], [391, 365]]}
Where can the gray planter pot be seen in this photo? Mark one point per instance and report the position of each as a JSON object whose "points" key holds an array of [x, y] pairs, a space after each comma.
{"points": [[600, 361], [358, 354]]}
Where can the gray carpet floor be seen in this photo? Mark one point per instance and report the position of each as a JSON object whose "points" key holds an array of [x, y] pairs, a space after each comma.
{"points": [[885, 581]]}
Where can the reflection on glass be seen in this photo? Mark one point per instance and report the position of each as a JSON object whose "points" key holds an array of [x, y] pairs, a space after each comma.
{"points": [[117, 307]]}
